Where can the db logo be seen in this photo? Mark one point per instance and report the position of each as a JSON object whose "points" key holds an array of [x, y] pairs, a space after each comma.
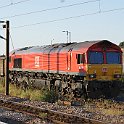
{"points": [[37, 61], [104, 69]]}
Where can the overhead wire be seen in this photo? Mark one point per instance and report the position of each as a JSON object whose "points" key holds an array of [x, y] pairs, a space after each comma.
{"points": [[60, 8], [13, 3], [55, 8], [71, 17], [33, 24], [50, 9]]}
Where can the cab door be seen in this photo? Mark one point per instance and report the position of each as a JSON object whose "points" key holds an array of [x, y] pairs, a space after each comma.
{"points": [[69, 60], [81, 61]]}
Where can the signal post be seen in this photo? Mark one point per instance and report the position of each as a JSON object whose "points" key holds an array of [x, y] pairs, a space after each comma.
{"points": [[6, 25]]}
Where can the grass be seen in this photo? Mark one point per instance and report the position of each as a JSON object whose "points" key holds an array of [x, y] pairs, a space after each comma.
{"points": [[109, 107], [31, 94], [113, 112], [106, 107], [42, 115]]}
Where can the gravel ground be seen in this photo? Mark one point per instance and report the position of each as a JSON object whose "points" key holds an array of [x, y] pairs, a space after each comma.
{"points": [[4, 113], [89, 111], [11, 117]]}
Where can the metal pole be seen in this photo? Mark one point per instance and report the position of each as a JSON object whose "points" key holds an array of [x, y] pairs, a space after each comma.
{"points": [[7, 59], [69, 37], [67, 34]]}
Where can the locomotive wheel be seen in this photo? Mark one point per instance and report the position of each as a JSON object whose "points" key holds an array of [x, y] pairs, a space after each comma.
{"points": [[93, 90], [80, 93]]}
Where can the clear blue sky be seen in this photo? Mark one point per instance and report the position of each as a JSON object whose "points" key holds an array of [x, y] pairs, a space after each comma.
{"points": [[109, 25]]}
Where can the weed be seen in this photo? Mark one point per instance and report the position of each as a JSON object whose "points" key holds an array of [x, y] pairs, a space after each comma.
{"points": [[32, 94]]}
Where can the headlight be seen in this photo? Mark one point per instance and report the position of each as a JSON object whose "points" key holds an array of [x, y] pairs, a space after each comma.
{"points": [[117, 76], [92, 75]]}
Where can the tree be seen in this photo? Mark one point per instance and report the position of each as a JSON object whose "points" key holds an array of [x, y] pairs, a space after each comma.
{"points": [[121, 44]]}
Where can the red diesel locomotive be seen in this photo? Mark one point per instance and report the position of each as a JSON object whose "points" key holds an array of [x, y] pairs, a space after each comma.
{"points": [[85, 69]]}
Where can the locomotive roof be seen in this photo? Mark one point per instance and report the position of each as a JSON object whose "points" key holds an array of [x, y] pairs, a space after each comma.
{"points": [[64, 47]]}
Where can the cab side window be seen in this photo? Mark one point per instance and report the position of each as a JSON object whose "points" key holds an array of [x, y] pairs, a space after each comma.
{"points": [[18, 63], [80, 58]]}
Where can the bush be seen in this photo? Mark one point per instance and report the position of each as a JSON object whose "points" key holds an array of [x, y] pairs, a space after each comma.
{"points": [[50, 96], [32, 94]]}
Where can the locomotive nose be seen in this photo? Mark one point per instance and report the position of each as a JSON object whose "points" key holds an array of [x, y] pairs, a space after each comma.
{"points": [[104, 72]]}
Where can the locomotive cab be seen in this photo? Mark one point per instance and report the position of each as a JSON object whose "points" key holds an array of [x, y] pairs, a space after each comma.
{"points": [[104, 62], [104, 69]]}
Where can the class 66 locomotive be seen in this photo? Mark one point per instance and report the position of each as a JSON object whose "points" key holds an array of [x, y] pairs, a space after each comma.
{"points": [[74, 70]]}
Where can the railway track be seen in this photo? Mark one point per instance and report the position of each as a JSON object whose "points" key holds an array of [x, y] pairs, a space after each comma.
{"points": [[57, 114], [51, 115]]}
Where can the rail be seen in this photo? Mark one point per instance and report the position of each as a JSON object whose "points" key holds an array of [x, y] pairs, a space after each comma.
{"points": [[51, 115]]}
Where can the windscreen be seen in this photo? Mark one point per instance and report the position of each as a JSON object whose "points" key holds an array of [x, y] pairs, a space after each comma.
{"points": [[95, 57], [113, 58]]}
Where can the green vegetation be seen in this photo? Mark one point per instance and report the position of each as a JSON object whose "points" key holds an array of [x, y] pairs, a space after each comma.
{"points": [[121, 44], [43, 115], [32, 94], [107, 107], [50, 96]]}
